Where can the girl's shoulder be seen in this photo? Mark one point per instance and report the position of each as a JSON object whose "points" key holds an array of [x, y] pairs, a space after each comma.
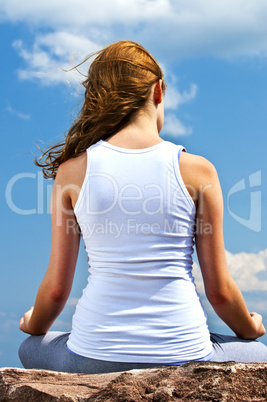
{"points": [[197, 173], [70, 177], [196, 163], [73, 170]]}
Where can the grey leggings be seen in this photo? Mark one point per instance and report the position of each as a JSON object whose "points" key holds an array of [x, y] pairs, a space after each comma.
{"points": [[50, 352]]}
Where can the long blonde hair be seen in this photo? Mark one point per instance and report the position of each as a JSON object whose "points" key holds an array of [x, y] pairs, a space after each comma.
{"points": [[118, 85]]}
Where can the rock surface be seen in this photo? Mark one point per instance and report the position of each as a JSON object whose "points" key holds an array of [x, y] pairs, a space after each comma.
{"points": [[197, 381]]}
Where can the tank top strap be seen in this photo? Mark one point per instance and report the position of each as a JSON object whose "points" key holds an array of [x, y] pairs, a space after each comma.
{"points": [[177, 150]]}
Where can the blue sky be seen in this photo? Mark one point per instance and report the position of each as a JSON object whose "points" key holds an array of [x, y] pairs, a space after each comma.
{"points": [[214, 55]]}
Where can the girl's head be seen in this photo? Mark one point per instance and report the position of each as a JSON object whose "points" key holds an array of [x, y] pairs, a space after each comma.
{"points": [[118, 85]]}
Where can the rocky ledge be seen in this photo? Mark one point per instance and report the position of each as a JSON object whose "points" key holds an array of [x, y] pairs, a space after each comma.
{"points": [[197, 381]]}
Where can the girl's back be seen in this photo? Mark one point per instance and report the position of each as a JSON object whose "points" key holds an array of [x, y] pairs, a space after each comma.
{"points": [[137, 220]]}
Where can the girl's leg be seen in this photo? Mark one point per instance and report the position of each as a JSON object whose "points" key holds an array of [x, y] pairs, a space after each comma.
{"points": [[44, 351], [50, 352], [232, 348]]}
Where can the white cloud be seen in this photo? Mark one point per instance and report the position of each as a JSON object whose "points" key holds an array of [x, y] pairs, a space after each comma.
{"points": [[249, 270], [175, 28], [174, 127], [258, 306], [20, 115], [83, 12], [72, 301], [9, 321], [3, 314], [170, 29], [174, 98], [51, 54], [198, 278]]}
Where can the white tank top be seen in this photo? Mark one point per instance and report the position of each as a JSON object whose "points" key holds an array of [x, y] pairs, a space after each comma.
{"points": [[137, 221]]}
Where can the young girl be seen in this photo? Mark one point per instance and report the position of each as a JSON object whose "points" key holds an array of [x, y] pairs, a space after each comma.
{"points": [[137, 201]]}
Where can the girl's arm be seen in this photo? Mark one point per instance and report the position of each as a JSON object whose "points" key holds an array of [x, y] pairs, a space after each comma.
{"points": [[221, 290], [56, 285]]}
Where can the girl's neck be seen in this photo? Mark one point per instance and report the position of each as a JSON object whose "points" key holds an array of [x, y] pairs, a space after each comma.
{"points": [[140, 133]]}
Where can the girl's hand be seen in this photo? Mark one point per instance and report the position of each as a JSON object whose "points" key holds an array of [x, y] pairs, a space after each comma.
{"points": [[257, 318], [24, 321]]}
